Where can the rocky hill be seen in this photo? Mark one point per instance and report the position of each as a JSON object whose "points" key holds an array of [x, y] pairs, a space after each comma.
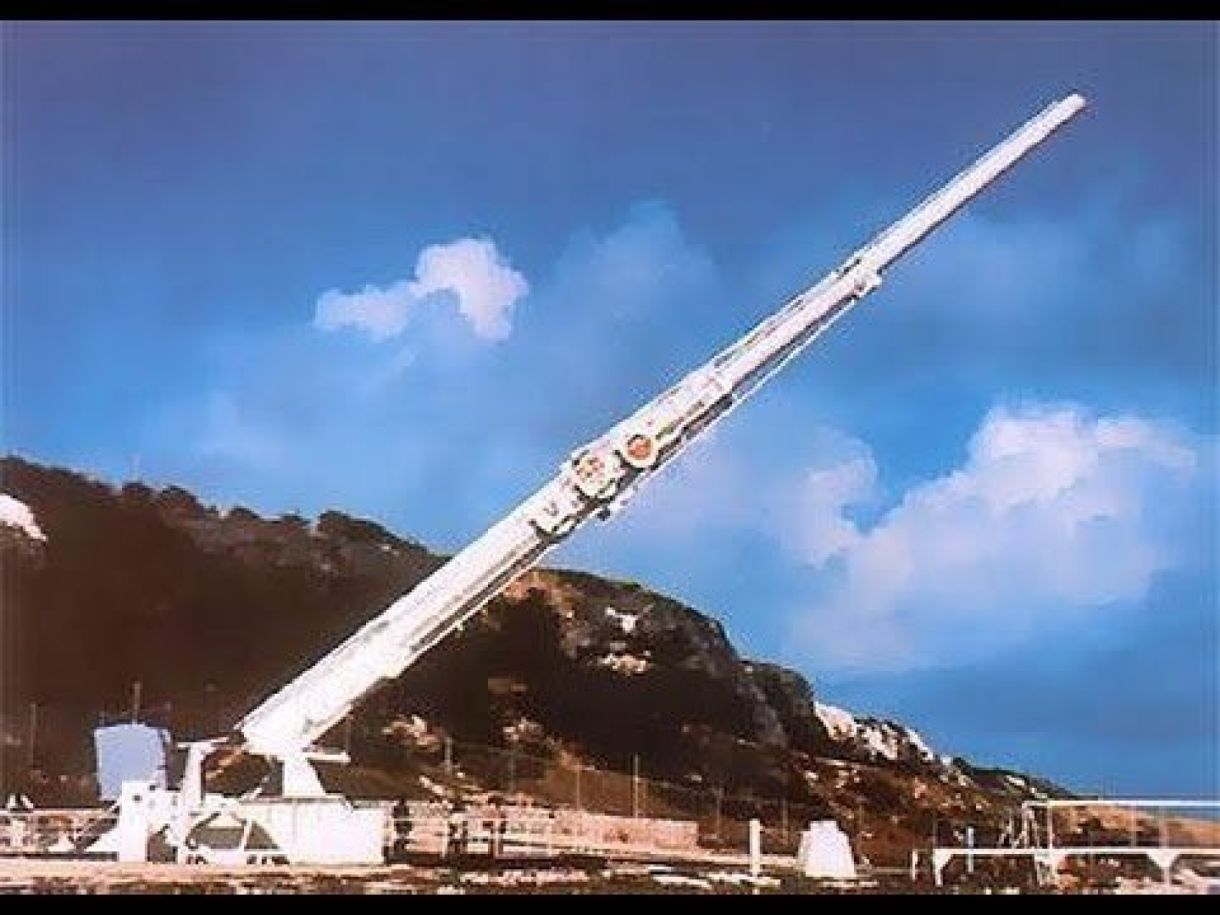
{"points": [[210, 611]]}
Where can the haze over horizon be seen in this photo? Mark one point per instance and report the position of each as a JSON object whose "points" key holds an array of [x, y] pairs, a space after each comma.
{"points": [[401, 270]]}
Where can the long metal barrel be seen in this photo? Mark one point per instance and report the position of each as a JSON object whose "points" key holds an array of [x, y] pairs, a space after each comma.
{"points": [[604, 474], [732, 375], [861, 273]]}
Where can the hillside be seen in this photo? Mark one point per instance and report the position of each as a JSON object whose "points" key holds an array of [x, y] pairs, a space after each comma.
{"points": [[212, 610]]}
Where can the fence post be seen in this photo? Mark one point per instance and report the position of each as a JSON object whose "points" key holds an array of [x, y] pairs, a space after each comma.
{"points": [[635, 785], [755, 846], [33, 731]]}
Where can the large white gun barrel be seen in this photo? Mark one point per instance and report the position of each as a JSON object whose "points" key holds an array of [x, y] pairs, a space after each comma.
{"points": [[862, 271], [600, 477], [740, 369]]}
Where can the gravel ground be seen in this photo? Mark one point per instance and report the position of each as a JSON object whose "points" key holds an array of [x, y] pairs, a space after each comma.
{"points": [[49, 876]]}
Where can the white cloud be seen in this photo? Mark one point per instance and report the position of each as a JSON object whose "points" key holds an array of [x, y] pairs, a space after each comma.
{"points": [[644, 265], [824, 530], [229, 433], [1055, 513], [379, 312], [485, 286]]}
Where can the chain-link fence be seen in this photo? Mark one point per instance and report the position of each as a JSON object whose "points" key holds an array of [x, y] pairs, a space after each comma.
{"points": [[560, 781], [530, 772]]}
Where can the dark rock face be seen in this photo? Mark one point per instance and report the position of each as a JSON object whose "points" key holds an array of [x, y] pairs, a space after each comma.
{"points": [[212, 611], [791, 696], [608, 669], [152, 586]]}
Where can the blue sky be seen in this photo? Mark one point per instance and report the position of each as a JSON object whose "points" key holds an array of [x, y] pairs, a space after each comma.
{"points": [[403, 269]]}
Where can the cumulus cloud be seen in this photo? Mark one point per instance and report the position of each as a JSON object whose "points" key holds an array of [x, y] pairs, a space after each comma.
{"points": [[472, 270], [379, 312], [1054, 513], [486, 286]]}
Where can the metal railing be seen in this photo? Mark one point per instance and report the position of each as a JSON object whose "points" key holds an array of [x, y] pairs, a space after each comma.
{"points": [[63, 831]]}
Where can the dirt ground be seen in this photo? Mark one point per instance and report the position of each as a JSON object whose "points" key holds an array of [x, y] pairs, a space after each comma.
{"points": [[47, 876], [54, 876]]}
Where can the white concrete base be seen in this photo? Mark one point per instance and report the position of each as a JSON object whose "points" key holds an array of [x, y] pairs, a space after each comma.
{"points": [[825, 853], [324, 830], [327, 829]]}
